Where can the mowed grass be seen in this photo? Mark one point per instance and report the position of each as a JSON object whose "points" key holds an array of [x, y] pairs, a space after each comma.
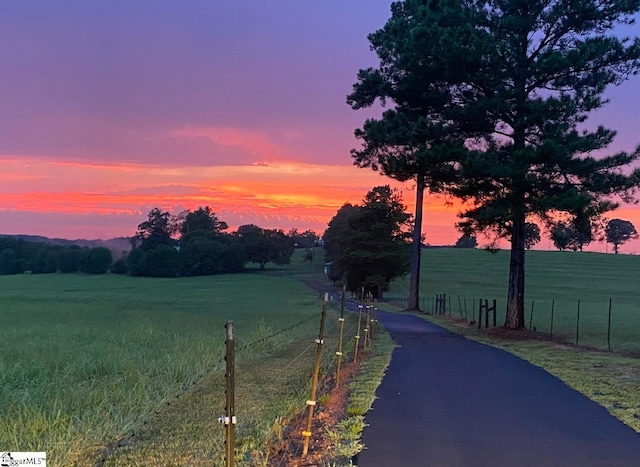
{"points": [[553, 279], [88, 360]]}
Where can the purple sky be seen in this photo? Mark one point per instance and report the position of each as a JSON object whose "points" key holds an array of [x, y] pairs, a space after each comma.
{"points": [[154, 88]]}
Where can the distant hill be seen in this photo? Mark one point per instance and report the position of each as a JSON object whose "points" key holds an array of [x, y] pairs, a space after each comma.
{"points": [[119, 246]]}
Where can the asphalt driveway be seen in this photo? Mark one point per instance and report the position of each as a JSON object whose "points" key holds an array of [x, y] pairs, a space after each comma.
{"points": [[449, 401]]}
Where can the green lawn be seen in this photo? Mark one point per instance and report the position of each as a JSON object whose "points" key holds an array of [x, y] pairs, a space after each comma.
{"points": [[87, 360], [562, 277]]}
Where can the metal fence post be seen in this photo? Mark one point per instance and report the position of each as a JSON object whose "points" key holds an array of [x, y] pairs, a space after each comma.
{"points": [[340, 334], [355, 350], [553, 305], [481, 307], [375, 320], [531, 316], [366, 326], [609, 328], [229, 419], [314, 381], [578, 324], [486, 313], [495, 307]]}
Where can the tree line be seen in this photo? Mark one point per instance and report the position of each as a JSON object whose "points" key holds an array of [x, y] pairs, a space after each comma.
{"points": [[569, 235], [192, 243], [18, 256], [195, 243]]}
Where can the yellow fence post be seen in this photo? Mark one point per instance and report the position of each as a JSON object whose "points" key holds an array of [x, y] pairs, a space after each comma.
{"points": [[314, 381]]}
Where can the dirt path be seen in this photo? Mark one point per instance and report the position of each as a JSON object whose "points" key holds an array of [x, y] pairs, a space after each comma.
{"points": [[449, 401]]}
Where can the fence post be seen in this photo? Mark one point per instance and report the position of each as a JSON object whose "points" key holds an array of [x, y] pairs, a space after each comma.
{"points": [[340, 334], [531, 316], [553, 305], [355, 350], [375, 319], [486, 314], [372, 330], [494, 307], [366, 325], [229, 419], [314, 381], [609, 328], [578, 324]]}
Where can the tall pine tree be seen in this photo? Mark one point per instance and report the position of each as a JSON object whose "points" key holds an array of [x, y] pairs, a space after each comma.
{"points": [[517, 79]]}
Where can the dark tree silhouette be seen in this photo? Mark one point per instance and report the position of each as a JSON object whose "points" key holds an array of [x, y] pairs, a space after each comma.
{"points": [[618, 232]]}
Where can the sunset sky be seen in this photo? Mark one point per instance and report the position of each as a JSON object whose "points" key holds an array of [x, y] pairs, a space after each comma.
{"points": [[111, 108]]}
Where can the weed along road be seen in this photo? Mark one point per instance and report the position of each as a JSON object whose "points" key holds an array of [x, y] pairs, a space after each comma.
{"points": [[449, 401]]}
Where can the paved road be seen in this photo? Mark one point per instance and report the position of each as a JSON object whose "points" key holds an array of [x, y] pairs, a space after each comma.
{"points": [[448, 401]]}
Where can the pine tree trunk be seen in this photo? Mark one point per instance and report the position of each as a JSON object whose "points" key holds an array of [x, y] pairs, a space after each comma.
{"points": [[416, 250], [515, 297]]}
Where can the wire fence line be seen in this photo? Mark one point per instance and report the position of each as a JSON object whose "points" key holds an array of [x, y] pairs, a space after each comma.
{"points": [[601, 324], [363, 320]]}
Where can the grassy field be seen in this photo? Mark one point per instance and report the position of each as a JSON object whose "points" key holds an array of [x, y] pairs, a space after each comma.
{"points": [[89, 360], [553, 278], [90, 363]]}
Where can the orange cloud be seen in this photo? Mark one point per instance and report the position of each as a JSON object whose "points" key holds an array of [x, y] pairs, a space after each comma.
{"points": [[273, 195]]}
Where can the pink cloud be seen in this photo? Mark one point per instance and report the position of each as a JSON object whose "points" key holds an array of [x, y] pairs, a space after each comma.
{"points": [[254, 142]]}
